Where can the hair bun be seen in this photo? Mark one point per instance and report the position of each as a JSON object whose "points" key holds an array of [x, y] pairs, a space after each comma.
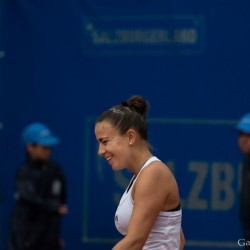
{"points": [[138, 104]]}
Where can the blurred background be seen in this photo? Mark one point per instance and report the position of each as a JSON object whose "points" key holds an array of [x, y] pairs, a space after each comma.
{"points": [[64, 62]]}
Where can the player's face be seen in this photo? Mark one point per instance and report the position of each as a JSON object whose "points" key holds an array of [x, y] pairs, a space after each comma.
{"points": [[39, 152], [112, 145], [244, 142]]}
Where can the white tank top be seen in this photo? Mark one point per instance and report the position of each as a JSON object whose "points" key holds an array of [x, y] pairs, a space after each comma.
{"points": [[165, 234]]}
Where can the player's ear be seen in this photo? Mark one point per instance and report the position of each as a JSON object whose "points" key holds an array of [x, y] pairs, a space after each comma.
{"points": [[131, 134]]}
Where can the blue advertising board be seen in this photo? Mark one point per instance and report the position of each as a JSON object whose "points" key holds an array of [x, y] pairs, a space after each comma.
{"points": [[64, 62], [143, 35], [1, 123], [208, 178]]}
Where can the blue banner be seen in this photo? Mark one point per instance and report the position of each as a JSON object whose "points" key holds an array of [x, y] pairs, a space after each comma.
{"points": [[208, 178], [1, 123], [64, 62], [2, 53], [143, 35]]}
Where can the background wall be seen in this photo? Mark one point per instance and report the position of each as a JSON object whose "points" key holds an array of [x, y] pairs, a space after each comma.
{"points": [[64, 62]]}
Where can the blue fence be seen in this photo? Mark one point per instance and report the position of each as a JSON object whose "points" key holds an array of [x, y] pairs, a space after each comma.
{"points": [[64, 62]]}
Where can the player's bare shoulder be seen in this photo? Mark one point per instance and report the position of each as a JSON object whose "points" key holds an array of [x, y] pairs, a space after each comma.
{"points": [[156, 171]]}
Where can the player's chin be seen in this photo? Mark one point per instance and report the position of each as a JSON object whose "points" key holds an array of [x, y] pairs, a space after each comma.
{"points": [[115, 167]]}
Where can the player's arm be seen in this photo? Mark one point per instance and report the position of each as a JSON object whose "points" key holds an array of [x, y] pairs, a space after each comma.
{"points": [[149, 196]]}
